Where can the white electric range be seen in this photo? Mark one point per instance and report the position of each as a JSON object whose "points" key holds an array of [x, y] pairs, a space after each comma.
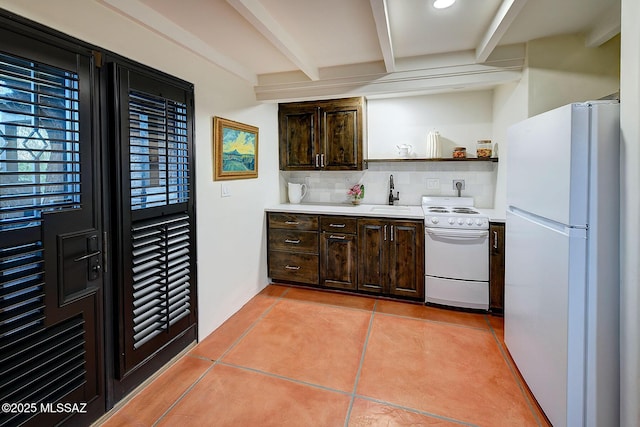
{"points": [[456, 253]]}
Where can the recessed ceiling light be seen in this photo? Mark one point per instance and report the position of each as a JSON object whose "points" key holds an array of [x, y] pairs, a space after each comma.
{"points": [[443, 4]]}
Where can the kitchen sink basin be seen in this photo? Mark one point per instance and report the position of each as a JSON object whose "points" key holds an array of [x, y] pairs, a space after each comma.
{"points": [[390, 209]]}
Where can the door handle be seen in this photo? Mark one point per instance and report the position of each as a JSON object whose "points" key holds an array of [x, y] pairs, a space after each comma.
{"points": [[87, 256]]}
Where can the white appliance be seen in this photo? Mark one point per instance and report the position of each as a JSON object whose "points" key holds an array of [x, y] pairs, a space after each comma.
{"points": [[456, 253], [562, 275]]}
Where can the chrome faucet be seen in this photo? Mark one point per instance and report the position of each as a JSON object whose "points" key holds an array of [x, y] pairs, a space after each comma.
{"points": [[392, 199]]}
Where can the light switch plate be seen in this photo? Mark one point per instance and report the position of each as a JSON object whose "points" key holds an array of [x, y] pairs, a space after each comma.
{"points": [[225, 190]]}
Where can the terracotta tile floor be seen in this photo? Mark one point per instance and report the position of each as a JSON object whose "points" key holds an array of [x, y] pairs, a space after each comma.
{"points": [[299, 357]]}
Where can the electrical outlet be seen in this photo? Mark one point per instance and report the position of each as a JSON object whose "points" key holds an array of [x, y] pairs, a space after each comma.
{"points": [[225, 191], [433, 183], [455, 184]]}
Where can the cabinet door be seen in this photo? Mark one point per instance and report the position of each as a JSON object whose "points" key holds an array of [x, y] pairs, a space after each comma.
{"points": [[372, 255], [406, 259], [299, 137], [496, 268], [338, 260], [341, 136]]}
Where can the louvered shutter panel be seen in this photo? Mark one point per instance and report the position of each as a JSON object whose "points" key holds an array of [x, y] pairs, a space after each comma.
{"points": [[159, 288]]}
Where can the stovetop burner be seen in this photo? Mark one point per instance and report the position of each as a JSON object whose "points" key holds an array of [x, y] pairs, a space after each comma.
{"points": [[452, 212], [465, 211]]}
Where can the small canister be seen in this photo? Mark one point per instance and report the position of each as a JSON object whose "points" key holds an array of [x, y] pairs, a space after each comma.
{"points": [[483, 148], [459, 153]]}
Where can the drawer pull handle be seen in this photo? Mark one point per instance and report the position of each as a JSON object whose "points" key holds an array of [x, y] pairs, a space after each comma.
{"points": [[292, 223], [337, 237], [292, 267], [495, 240], [294, 242], [338, 225]]}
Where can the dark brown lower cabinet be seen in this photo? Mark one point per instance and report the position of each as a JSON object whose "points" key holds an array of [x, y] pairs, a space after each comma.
{"points": [[338, 260], [496, 268], [391, 257], [338, 252]]}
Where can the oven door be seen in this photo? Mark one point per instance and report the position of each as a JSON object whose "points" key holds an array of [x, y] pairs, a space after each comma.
{"points": [[457, 254]]}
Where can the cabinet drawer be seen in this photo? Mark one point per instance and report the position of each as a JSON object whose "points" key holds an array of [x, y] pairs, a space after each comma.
{"points": [[338, 224], [293, 221], [294, 267], [293, 240]]}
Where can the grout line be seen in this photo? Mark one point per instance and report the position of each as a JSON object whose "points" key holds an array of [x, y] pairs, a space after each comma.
{"points": [[183, 395], [439, 322], [217, 361], [515, 376], [249, 328], [364, 351], [416, 411], [281, 377], [326, 304]]}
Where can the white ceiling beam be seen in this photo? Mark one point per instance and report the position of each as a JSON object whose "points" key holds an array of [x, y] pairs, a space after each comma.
{"points": [[607, 27], [436, 73], [157, 22], [254, 12], [381, 17], [507, 13]]}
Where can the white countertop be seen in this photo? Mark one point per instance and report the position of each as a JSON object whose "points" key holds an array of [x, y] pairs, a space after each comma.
{"points": [[380, 211]]}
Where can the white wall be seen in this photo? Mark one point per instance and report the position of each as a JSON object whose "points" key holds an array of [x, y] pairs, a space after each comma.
{"points": [[230, 231], [509, 107], [461, 118], [630, 238], [563, 70]]}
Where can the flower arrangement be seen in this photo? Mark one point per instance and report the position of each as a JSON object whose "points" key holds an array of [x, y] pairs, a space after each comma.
{"points": [[357, 191]]}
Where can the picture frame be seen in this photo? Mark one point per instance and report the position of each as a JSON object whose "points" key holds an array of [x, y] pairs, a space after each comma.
{"points": [[235, 150]]}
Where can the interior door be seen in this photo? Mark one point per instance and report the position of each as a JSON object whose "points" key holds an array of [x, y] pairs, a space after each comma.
{"points": [[51, 341]]}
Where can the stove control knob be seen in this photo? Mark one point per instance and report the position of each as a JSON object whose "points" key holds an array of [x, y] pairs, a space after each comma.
{"points": [[460, 221], [469, 221], [452, 221], [478, 222], [435, 220]]}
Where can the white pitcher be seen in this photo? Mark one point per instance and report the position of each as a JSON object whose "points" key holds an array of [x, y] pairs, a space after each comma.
{"points": [[296, 192]]}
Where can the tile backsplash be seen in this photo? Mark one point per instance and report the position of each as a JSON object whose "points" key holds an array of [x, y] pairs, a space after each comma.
{"points": [[411, 179]]}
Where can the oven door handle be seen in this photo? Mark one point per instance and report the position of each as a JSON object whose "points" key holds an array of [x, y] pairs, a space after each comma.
{"points": [[457, 234]]}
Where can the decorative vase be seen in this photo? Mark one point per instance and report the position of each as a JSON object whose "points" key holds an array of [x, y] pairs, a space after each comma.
{"points": [[355, 201]]}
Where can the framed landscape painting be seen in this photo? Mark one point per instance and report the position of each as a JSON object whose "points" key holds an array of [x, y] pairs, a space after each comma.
{"points": [[235, 150]]}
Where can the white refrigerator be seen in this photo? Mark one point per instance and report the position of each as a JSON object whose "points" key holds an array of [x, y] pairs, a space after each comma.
{"points": [[562, 260]]}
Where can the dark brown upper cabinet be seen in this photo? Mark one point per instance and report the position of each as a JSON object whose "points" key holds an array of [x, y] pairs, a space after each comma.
{"points": [[322, 135]]}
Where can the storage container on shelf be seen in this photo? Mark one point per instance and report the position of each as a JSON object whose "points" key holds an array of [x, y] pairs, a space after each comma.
{"points": [[483, 148], [459, 153]]}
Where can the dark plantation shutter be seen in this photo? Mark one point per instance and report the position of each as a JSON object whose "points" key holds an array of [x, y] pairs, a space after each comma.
{"points": [[161, 275], [39, 141], [158, 151], [43, 356], [158, 215]]}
